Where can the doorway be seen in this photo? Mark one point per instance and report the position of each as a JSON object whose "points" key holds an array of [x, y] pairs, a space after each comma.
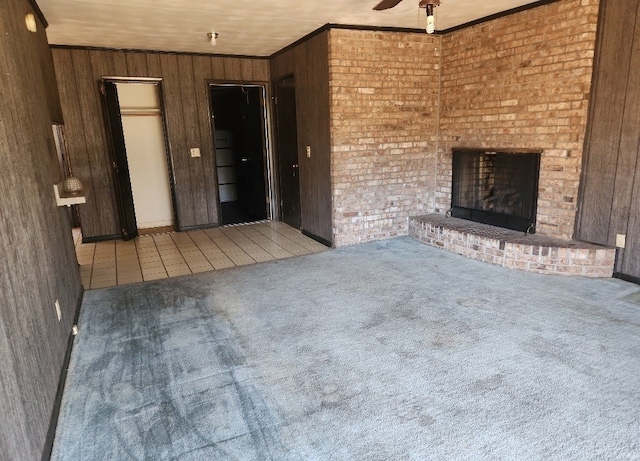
{"points": [[239, 124], [287, 151], [143, 183]]}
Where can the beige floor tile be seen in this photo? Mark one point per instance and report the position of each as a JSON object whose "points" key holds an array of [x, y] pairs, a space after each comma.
{"points": [[178, 273], [263, 258], [149, 256], [132, 279], [102, 271], [146, 246], [154, 274], [159, 256], [199, 270], [222, 264], [106, 284], [103, 278], [204, 262], [150, 260], [159, 276]]}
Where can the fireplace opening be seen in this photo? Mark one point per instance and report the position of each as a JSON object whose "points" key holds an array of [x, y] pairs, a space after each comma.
{"points": [[496, 187]]}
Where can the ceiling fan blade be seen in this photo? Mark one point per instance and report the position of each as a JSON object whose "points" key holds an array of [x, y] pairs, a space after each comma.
{"points": [[386, 4]]}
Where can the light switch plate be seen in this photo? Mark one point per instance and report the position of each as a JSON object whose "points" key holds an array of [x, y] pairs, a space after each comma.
{"points": [[195, 152], [621, 240]]}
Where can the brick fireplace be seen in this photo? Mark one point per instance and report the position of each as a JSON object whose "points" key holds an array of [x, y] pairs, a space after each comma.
{"points": [[401, 103], [496, 187]]}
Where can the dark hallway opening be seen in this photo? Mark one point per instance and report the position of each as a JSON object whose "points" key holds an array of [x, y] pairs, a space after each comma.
{"points": [[239, 126]]}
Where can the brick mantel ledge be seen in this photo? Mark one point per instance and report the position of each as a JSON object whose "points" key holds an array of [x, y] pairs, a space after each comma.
{"points": [[513, 249]]}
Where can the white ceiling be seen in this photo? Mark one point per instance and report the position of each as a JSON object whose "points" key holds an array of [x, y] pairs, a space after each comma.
{"points": [[246, 27]]}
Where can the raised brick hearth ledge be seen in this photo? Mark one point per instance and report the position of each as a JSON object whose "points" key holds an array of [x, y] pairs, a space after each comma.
{"points": [[513, 249]]}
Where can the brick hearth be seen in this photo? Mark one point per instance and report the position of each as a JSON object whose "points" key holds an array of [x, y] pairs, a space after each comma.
{"points": [[513, 249]]}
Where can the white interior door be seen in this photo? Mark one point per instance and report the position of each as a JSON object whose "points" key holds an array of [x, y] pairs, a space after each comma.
{"points": [[146, 155]]}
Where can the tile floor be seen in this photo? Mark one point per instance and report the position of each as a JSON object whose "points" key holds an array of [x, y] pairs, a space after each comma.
{"points": [[152, 257]]}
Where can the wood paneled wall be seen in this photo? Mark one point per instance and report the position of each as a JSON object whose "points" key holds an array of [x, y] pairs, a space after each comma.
{"points": [[610, 194], [51, 86], [309, 63], [37, 258], [186, 105]]}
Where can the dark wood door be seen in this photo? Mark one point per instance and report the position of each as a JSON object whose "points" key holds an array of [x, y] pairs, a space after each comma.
{"points": [[127, 214], [610, 188], [287, 151]]}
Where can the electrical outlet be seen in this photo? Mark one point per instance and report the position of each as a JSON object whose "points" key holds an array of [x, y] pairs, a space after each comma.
{"points": [[308, 151], [621, 240], [195, 152], [58, 310]]}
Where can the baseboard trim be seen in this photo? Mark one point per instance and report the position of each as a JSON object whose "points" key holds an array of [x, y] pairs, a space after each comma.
{"points": [[627, 278], [55, 414], [317, 239], [102, 238]]}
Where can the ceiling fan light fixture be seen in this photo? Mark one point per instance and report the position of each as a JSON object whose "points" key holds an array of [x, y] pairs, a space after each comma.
{"points": [[431, 19]]}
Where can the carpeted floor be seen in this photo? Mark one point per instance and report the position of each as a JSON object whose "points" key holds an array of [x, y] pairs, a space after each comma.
{"points": [[383, 351]]}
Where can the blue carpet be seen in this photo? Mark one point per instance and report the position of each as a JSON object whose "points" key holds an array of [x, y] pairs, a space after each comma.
{"points": [[389, 350]]}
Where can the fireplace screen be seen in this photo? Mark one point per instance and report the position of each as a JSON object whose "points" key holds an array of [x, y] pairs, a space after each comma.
{"points": [[498, 188]]}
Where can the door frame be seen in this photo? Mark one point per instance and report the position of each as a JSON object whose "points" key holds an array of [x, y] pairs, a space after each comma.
{"points": [[267, 140], [165, 132]]}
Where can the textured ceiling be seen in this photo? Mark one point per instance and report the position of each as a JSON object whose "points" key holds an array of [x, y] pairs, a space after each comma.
{"points": [[246, 27]]}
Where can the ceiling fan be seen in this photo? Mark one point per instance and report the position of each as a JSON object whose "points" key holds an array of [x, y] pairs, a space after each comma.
{"points": [[429, 5]]}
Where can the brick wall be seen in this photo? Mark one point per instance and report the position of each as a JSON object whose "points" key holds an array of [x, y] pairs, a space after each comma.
{"points": [[523, 81], [384, 89]]}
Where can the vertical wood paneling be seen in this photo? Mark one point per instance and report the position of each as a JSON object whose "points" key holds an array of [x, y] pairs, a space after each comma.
{"points": [[630, 257], [178, 143], [260, 70], [102, 66], [137, 64], [628, 176], [91, 108], [192, 139], [119, 64], [612, 62], [153, 65], [308, 62], [610, 199], [186, 106], [318, 77], [36, 249], [202, 70], [246, 70], [76, 140], [308, 207], [232, 69], [51, 87], [629, 142], [217, 68]]}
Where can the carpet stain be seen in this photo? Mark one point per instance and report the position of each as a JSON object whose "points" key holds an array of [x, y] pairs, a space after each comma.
{"points": [[633, 298], [368, 352]]}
